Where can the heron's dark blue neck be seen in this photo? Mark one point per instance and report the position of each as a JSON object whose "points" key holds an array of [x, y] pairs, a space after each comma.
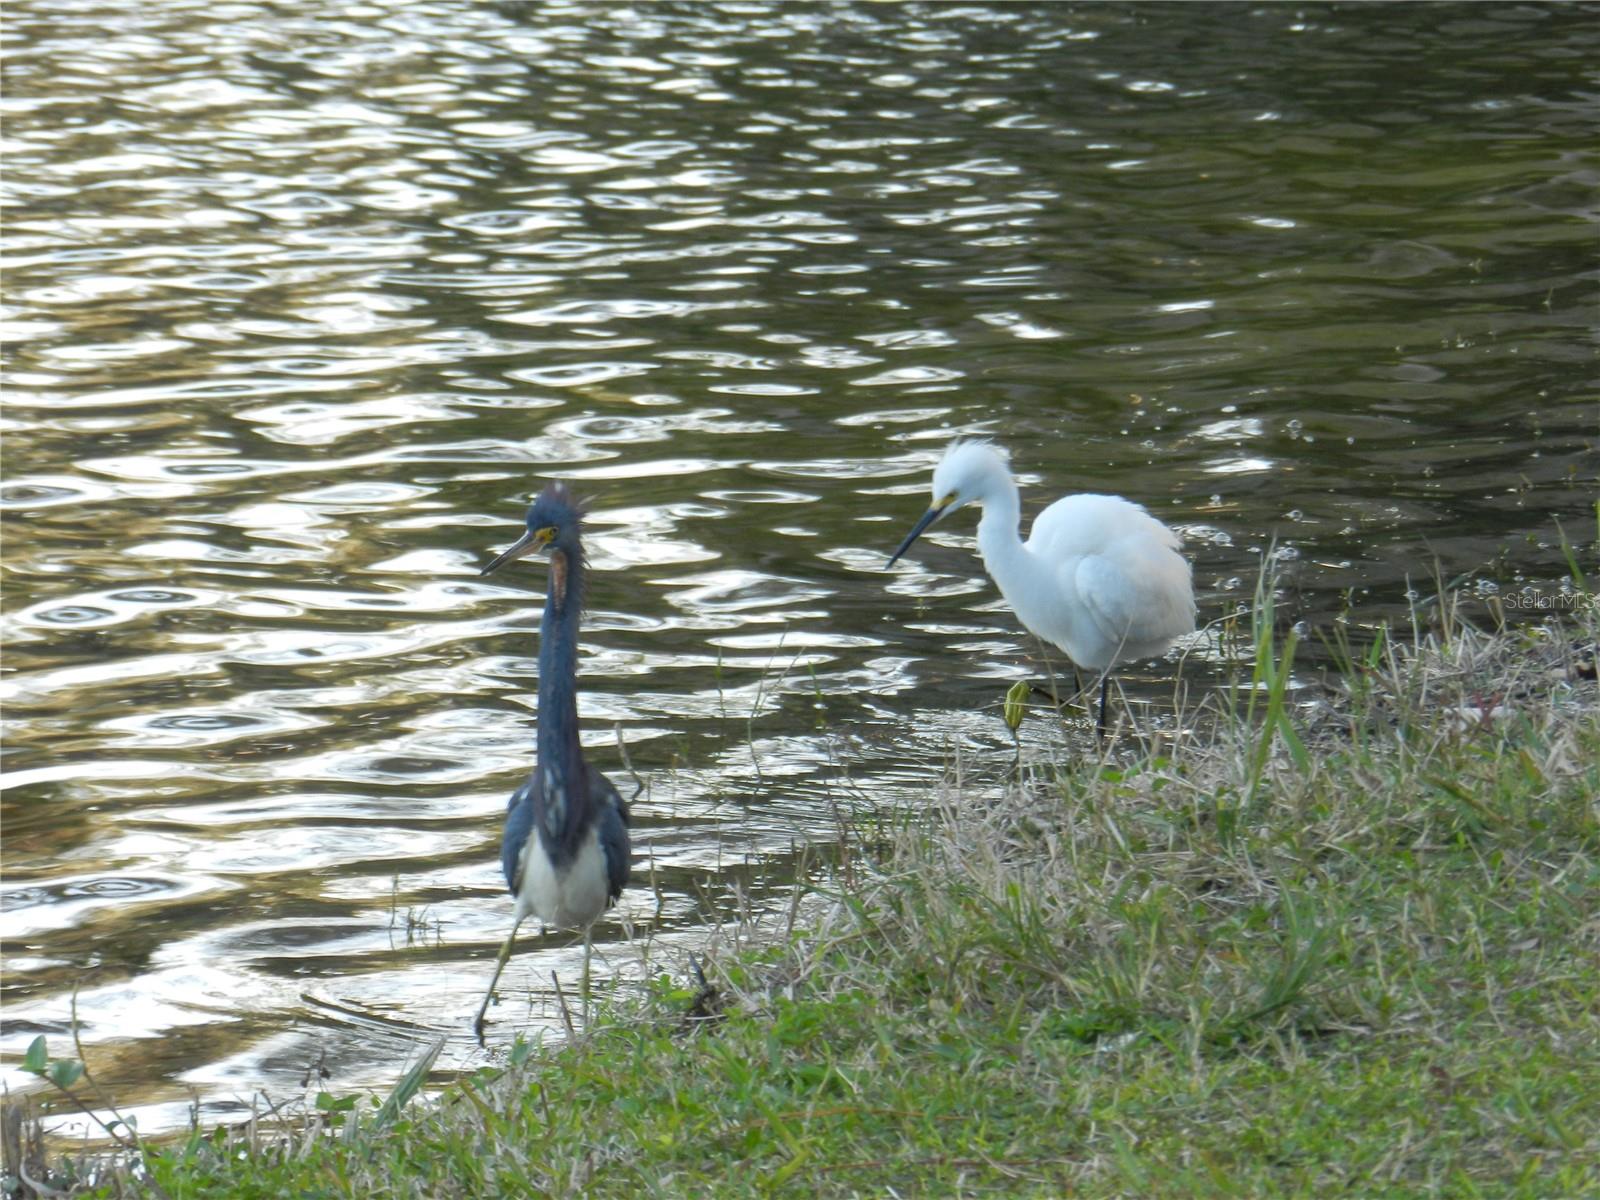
{"points": [[558, 751]]}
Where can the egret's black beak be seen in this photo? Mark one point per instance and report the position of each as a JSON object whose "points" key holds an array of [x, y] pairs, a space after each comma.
{"points": [[928, 518], [529, 543]]}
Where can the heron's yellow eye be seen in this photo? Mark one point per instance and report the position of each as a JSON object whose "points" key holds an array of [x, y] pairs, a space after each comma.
{"points": [[545, 535], [949, 499]]}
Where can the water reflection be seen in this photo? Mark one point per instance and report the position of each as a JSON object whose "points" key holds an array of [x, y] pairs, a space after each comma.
{"points": [[302, 306]]}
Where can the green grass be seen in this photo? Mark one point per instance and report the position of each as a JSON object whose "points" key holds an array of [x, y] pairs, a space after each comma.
{"points": [[1344, 949]]}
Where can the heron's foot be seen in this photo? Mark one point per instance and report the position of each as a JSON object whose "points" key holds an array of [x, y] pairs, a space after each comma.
{"points": [[708, 1003]]}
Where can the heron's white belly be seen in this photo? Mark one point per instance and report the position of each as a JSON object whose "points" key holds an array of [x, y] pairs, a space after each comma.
{"points": [[574, 896]]}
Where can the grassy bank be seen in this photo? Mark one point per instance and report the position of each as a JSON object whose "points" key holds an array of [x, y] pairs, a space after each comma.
{"points": [[1344, 949]]}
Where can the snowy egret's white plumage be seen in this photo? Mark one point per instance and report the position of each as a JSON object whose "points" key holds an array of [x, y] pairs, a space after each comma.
{"points": [[1098, 576]]}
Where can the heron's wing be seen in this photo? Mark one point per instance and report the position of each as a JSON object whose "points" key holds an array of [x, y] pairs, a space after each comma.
{"points": [[613, 832], [519, 828], [604, 795]]}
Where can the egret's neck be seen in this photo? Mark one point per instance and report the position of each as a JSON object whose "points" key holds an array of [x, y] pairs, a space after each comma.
{"points": [[1004, 555], [558, 667]]}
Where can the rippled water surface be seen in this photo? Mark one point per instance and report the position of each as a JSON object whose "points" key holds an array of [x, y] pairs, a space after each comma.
{"points": [[303, 302]]}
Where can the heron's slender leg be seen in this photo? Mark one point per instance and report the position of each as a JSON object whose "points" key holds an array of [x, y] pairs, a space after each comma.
{"points": [[499, 965], [588, 954], [1100, 726]]}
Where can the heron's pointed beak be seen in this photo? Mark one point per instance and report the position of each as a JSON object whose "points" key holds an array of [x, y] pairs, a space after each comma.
{"points": [[928, 518], [531, 542]]}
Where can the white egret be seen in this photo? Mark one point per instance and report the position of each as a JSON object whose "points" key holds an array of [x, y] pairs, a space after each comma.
{"points": [[1098, 577]]}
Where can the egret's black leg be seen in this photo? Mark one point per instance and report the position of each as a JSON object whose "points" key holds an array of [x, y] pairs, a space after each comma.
{"points": [[1077, 690], [1049, 694], [1100, 727], [499, 965]]}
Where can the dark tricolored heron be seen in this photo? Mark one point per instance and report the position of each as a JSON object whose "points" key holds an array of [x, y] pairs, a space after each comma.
{"points": [[565, 852], [1098, 576]]}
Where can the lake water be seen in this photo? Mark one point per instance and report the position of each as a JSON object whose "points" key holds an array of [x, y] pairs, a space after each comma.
{"points": [[304, 302]]}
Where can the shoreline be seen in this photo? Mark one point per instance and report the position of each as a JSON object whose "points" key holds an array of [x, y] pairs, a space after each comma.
{"points": [[1345, 946]]}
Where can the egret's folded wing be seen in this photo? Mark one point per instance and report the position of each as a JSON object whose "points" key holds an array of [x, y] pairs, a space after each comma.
{"points": [[1136, 599]]}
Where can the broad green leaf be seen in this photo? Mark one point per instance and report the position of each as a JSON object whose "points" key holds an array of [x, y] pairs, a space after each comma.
{"points": [[37, 1057]]}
